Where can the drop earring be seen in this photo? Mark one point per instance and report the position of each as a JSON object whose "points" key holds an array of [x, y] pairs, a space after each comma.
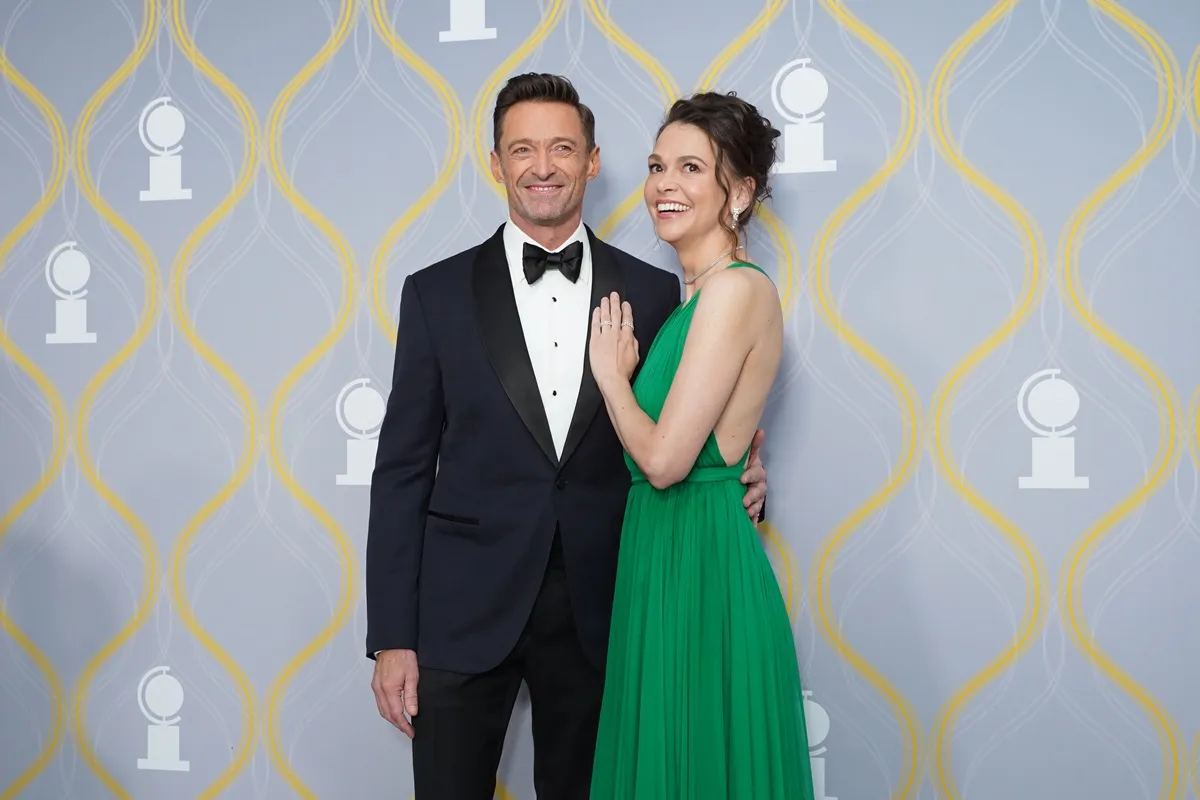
{"points": [[736, 212]]}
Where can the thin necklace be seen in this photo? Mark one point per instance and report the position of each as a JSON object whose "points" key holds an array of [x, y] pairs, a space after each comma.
{"points": [[704, 271]]}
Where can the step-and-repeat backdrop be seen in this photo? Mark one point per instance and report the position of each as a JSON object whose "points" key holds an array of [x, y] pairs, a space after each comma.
{"points": [[982, 446]]}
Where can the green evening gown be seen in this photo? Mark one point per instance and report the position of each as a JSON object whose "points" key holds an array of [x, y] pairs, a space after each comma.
{"points": [[702, 693]]}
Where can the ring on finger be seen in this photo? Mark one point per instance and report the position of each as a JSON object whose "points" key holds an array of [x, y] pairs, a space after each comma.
{"points": [[627, 325]]}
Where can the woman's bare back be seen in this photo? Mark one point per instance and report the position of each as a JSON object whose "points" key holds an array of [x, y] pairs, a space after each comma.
{"points": [[743, 411]]}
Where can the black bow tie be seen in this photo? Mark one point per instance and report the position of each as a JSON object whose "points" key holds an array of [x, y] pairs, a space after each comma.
{"points": [[568, 261]]}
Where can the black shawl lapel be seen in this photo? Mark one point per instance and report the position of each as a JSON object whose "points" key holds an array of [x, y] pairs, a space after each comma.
{"points": [[504, 339], [606, 279]]}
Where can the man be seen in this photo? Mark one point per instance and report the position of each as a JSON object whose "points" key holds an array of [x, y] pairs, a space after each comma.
{"points": [[500, 485]]}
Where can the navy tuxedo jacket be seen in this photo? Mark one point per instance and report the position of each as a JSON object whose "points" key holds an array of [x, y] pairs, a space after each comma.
{"points": [[467, 490]]}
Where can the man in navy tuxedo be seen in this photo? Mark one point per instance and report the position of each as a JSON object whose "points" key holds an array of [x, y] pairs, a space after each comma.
{"points": [[500, 485]]}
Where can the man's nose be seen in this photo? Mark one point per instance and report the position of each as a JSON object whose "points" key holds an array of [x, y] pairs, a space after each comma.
{"points": [[543, 165]]}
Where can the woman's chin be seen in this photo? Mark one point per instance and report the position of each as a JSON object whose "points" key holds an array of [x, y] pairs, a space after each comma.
{"points": [[666, 232]]}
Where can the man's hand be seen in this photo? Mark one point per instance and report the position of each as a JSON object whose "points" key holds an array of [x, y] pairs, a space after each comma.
{"points": [[755, 478], [395, 686]]}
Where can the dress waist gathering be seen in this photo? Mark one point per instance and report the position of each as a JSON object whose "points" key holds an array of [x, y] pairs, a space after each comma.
{"points": [[704, 475]]}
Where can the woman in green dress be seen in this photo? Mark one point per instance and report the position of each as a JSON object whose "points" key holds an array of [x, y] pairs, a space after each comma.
{"points": [[702, 697]]}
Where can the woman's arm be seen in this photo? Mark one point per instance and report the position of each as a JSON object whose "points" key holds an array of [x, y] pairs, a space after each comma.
{"points": [[718, 342]]}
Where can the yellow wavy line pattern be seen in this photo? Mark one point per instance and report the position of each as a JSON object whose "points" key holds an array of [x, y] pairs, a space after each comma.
{"points": [[481, 108], [1192, 96], [668, 90], [1165, 120], [787, 564], [348, 9], [145, 323], [781, 237], [246, 458], [1033, 570], [54, 406], [1193, 91], [908, 88], [1178, 761], [451, 161]]}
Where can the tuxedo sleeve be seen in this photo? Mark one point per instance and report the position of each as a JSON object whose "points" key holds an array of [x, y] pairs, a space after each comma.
{"points": [[405, 466]]}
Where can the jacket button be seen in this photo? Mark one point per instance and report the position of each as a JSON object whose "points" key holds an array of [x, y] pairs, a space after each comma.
{"points": [[561, 483]]}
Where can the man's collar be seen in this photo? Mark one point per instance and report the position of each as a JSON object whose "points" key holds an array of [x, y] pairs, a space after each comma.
{"points": [[513, 235]]}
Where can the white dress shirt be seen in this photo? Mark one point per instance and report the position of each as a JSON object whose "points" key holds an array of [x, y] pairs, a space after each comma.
{"points": [[556, 316]]}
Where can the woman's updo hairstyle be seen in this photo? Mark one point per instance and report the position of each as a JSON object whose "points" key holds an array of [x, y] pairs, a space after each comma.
{"points": [[742, 138]]}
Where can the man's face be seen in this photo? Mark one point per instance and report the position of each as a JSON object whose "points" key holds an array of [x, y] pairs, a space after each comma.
{"points": [[543, 161]]}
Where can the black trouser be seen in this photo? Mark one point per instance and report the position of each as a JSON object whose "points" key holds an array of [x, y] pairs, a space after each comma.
{"points": [[460, 728]]}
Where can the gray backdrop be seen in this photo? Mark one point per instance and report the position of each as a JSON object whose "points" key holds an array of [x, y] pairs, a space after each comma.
{"points": [[1013, 189]]}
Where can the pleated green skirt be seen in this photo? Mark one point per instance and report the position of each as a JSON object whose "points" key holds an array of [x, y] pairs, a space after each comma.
{"points": [[702, 697]]}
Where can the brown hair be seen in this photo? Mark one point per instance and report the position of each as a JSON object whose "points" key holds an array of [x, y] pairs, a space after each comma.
{"points": [[541, 87]]}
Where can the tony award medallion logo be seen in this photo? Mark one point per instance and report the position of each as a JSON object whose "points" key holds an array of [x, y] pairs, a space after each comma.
{"points": [[467, 22], [1047, 405], [161, 129], [359, 409], [817, 724], [799, 92], [67, 273], [160, 696]]}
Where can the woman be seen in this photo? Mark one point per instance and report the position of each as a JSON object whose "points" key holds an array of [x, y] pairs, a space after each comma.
{"points": [[702, 693]]}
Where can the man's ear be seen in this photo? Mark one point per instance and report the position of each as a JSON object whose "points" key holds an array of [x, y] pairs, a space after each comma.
{"points": [[593, 162], [497, 170]]}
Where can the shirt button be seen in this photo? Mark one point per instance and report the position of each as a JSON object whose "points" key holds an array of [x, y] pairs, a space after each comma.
{"points": [[554, 393]]}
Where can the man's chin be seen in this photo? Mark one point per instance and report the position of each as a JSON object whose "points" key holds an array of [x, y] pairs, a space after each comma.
{"points": [[545, 217]]}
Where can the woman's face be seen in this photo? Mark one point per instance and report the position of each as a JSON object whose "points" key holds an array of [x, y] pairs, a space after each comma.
{"points": [[682, 194]]}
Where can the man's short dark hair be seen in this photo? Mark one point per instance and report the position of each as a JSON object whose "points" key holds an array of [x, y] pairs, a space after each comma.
{"points": [[541, 87]]}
